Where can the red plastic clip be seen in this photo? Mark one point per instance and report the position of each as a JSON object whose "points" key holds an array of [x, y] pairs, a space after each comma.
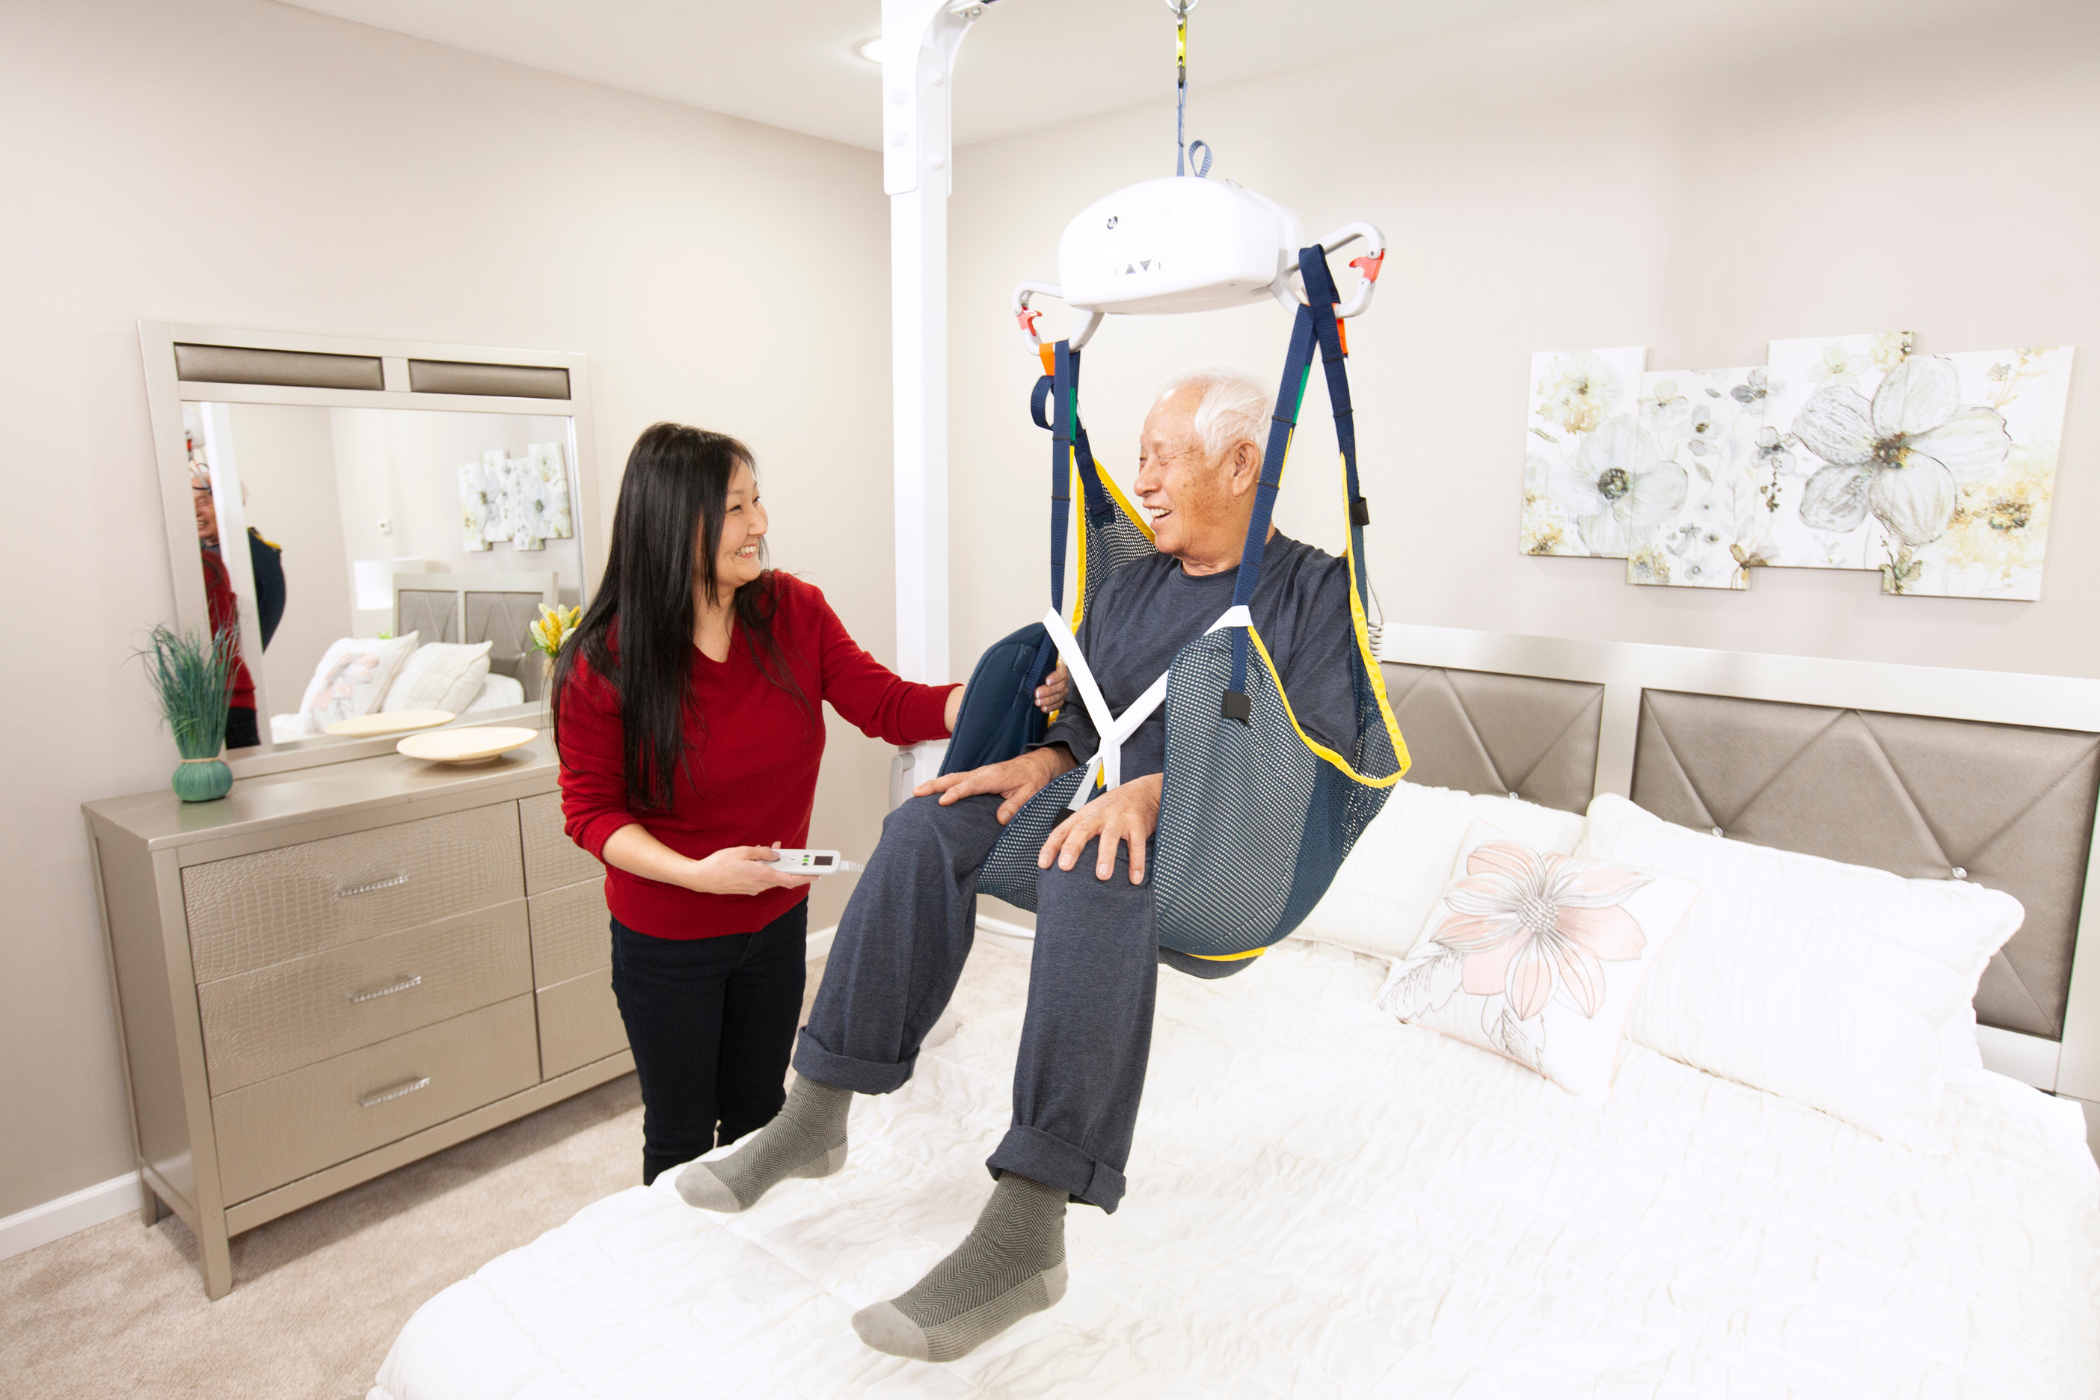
{"points": [[1368, 266], [1028, 317]]}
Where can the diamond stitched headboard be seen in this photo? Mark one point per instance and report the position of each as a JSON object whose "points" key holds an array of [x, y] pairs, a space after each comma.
{"points": [[1483, 731], [2010, 806]]}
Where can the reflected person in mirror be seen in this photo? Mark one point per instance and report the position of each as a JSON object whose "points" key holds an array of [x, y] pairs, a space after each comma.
{"points": [[687, 717], [266, 566]]}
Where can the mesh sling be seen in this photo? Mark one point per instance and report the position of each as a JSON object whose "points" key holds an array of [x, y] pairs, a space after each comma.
{"points": [[1256, 816]]}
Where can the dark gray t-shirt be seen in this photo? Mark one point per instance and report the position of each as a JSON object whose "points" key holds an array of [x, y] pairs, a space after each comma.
{"points": [[1151, 609]]}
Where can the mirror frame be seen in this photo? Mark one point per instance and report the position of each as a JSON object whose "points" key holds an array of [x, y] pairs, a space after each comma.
{"points": [[167, 392]]}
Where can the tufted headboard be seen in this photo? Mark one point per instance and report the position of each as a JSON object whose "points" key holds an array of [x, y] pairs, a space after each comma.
{"points": [[1930, 773], [474, 608], [1481, 731], [2004, 805]]}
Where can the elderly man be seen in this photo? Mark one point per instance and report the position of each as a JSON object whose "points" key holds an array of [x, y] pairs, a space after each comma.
{"points": [[907, 930]]}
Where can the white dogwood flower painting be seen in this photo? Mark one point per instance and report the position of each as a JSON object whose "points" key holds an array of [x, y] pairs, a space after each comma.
{"points": [[1901, 456], [1573, 395], [1617, 487], [2000, 445]]}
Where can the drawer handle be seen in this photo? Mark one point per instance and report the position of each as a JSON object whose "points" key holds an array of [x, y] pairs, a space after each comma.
{"points": [[377, 992], [401, 1090], [386, 884]]}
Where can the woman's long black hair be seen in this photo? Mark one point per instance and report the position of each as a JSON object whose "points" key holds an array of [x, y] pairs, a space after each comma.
{"points": [[638, 631]]}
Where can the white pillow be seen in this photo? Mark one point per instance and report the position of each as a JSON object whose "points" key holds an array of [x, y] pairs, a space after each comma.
{"points": [[1383, 894], [498, 692], [352, 679], [1537, 956], [1829, 984], [441, 676]]}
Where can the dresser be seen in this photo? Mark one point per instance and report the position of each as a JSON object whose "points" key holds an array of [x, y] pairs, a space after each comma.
{"points": [[335, 971]]}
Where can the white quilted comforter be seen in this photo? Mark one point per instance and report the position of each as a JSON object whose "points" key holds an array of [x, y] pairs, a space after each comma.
{"points": [[1324, 1202]]}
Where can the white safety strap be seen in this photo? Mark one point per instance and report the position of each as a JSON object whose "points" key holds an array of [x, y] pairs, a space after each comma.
{"points": [[1114, 730]]}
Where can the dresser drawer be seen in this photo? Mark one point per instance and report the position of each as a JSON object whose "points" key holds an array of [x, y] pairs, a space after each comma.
{"points": [[296, 1124], [579, 1022], [551, 858], [251, 911], [571, 932], [278, 1018]]}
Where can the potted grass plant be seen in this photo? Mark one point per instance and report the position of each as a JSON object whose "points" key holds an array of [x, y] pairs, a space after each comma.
{"points": [[192, 676]]}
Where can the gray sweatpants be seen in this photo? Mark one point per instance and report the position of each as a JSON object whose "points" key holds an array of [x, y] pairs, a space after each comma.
{"points": [[900, 948]]}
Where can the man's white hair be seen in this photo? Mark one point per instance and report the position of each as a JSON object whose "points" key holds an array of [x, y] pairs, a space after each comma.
{"points": [[1233, 409]]}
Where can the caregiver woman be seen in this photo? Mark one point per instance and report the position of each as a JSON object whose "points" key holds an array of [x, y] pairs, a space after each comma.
{"points": [[686, 716]]}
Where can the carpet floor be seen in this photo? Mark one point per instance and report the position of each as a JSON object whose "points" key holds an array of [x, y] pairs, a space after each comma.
{"points": [[319, 1295]]}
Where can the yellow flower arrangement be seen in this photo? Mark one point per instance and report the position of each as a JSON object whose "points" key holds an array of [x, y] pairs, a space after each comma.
{"points": [[554, 627]]}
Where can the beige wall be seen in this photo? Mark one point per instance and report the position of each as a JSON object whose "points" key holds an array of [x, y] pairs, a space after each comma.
{"points": [[285, 456], [242, 163], [1695, 177]]}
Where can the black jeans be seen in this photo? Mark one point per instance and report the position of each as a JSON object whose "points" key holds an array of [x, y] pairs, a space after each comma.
{"points": [[241, 732], [712, 1023]]}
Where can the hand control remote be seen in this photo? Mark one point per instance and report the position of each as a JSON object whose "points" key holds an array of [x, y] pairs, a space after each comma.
{"points": [[800, 862]]}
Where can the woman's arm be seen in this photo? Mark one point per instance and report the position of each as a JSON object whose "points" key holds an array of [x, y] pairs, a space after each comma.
{"points": [[868, 694], [731, 870]]}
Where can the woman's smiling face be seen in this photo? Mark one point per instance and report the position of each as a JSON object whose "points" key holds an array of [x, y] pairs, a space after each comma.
{"points": [[738, 561]]}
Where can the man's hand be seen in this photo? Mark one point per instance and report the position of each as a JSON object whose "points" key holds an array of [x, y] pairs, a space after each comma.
{"points": [[1050, 695], [1128, 814], [1015, 780]]}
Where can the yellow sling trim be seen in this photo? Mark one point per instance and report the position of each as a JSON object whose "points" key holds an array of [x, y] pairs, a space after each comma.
{"points": [[1361, 628], [1079, 529], [1226, 957]]}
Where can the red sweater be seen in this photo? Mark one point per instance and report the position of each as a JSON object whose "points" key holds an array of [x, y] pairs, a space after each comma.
{"points": [[225, 612], [751, 775]]}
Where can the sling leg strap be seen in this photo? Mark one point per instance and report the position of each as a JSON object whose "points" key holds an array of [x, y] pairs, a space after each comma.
{"points": [[1114, 730]]}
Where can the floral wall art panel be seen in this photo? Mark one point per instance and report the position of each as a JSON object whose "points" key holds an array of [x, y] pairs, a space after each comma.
{"points": [[1975, 441], [1840, 452], [1584, 454], [1807, 531], [1707, 424], [474, 505], [547, 465]]}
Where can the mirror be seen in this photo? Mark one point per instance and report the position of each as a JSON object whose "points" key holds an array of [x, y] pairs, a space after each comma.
{"points": [[354, 518], [381, 545]]}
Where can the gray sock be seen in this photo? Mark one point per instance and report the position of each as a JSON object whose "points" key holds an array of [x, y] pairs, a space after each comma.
{"points": [[806, 1138], [1011, 1264]]}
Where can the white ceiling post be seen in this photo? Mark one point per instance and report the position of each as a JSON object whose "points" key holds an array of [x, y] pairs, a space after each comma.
{"points": [[920, 38]]}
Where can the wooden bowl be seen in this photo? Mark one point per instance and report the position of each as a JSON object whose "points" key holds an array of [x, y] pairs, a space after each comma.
{"points": [[460, 747], [370, 726]]}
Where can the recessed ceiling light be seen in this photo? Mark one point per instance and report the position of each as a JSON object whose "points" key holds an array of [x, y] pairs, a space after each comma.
{"points": [[870, 49]]}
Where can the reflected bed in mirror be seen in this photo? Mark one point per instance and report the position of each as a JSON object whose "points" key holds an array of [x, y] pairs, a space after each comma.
{"points": [[402, 511]]}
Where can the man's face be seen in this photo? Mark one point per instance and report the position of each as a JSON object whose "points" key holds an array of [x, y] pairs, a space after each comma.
{"points": [[1184, 491], [207, 513]]}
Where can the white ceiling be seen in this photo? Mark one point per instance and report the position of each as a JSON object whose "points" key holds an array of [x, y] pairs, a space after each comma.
{"points": [[1026, 64]]}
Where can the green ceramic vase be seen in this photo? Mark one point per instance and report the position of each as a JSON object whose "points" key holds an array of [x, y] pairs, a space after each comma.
{"points": [[204, 781]]}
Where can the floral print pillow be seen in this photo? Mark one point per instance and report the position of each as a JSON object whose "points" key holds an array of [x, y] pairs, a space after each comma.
{"points": [[1537, 956]]}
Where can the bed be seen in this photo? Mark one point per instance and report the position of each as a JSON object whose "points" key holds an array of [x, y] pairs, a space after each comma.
{"points": [[1326, 1201]]}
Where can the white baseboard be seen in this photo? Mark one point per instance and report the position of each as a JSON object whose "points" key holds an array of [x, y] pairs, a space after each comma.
{"points": [[54, 1220]]}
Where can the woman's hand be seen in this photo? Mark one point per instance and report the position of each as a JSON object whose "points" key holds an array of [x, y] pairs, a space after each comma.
{"points": [[1050, 695], [1127, 814], [741, 870], [1015, 780]]}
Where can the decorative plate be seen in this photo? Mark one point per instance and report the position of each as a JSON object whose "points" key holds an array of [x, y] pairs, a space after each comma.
{"points": [[368, 726], [480, 744]]}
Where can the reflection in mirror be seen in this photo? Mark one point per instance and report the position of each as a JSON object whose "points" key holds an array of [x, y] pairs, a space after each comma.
{"points": [[393, 558]]}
